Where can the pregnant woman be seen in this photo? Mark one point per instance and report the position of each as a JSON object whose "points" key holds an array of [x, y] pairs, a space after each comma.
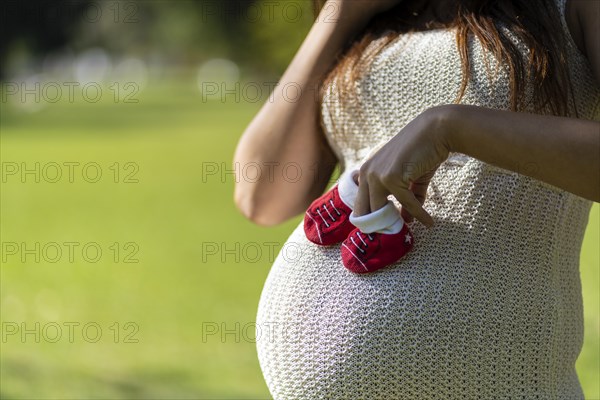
{"points": [[489, 113]]}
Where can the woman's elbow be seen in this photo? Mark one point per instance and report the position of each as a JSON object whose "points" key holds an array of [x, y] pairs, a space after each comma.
{"points": [[256, 211]]}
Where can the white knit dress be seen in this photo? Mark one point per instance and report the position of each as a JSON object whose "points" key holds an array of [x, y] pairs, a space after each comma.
{"points": [[487, 305]]}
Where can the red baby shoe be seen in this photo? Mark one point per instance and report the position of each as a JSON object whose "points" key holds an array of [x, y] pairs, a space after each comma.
{"points": [[362, 252], [326, 221]]}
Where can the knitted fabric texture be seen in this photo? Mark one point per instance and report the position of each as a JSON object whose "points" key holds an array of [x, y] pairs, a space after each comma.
{"points": [[487, 304]]}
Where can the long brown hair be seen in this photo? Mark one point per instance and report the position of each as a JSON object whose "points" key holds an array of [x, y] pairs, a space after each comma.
{"points": [[536, 23]]}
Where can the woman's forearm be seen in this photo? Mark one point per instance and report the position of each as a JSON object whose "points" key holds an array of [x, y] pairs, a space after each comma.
{"points": [[291, 109], [286, 129], [561, 151]]}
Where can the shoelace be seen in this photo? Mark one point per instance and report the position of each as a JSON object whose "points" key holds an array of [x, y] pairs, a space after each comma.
{"points": [[362, 240], [328, 212]]}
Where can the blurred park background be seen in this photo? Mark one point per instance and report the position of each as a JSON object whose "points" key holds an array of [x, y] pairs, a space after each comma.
{"points": [[126, 270]]}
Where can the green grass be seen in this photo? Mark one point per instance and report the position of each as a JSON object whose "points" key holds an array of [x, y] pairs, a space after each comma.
{"points": [[170, 294]]}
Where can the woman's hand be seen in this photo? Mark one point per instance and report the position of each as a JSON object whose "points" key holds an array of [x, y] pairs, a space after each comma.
{"points": [[404, 167]]}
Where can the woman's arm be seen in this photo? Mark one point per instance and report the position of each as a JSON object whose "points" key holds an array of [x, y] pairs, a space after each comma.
{"points": [[286, 133], [564, 152]]}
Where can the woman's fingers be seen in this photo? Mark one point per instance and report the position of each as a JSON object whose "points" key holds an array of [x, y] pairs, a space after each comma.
{"points": [[411, 195], [403, 212], [362, 202], [419, 189], [377, 197], [412, 205], [372, 195], [406, 215], [420, 192]]}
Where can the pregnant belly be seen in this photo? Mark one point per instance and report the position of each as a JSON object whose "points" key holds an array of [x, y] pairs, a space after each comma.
{"points": [[441, 323]]}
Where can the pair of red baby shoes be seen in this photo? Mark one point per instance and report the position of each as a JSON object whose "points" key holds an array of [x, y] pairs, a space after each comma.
{"points": [[367, 245]]}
